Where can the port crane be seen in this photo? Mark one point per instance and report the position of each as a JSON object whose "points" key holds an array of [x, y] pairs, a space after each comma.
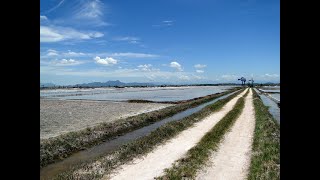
{"points": [[251, 82], [243, 80]]}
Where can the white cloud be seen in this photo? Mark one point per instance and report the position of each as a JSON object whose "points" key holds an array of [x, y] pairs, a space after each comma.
{"points": [[91, 12], [271, 75], [267, 77], [49, 35], [149, 74], [164, 23], [66, 62], [197, 77], [43, 18], [108, 61], [91, 9], [199, 71], [135, 55], [176, 65], [145, 67], [230, 77], [52, 52], [134, 42], [74, 54], [126, 38], [199, 66], [184, 77], [49, 53], [131, 40], [56, 34], [96, 34], [55, 7]]}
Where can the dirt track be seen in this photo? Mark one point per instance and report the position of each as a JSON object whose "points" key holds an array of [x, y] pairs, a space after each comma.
{"points": [[153, 164], [232, 160]]}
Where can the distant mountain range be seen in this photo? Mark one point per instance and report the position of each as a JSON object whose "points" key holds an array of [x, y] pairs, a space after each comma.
{"points": [[47, 85], [113, 84], [100, 84]]}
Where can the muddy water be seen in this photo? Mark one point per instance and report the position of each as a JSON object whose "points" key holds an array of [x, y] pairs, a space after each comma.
{"points": [[83, 156], [273, 107]]}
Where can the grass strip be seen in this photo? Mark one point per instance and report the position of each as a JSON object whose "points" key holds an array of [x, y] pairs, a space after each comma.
{"points": [[106, 163], [196, 157], [57, 148], [265, 160]]}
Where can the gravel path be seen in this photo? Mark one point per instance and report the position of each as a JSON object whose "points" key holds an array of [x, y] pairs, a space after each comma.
{"points": [[232, 160], [153, 164], [61, 116]]}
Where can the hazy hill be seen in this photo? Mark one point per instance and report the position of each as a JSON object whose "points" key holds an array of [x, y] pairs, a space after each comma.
{"points": [[113, 83]]}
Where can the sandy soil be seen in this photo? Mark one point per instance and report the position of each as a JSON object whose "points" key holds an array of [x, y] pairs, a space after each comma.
{"points": [[61, 116], [232, 159], [153, 164]]}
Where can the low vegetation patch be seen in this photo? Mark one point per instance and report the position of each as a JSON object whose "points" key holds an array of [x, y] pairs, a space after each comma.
{"points": [[265, 160], [196, 157], [57, 148], [106, 163], [140, 101]]}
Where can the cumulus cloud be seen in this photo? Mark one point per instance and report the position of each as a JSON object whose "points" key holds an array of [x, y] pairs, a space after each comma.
{"points": [[108, 61], [176, 65], [56, 34], [147, 68], [199, 66], [199, 71]]}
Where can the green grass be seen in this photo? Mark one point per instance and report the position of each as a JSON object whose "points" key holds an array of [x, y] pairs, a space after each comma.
{"points": [[197, 156], [265, 160], [142, 145], [57, 148]]}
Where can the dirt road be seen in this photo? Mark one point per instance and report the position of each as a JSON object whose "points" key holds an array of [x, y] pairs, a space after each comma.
{"points": [[152, 164], [232, 159]]}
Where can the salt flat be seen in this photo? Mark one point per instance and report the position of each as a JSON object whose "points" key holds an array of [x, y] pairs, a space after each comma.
{"points": [[61, 116]]}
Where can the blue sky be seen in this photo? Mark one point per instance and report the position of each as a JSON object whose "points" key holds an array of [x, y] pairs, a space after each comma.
{"points": [[176, 41]]}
